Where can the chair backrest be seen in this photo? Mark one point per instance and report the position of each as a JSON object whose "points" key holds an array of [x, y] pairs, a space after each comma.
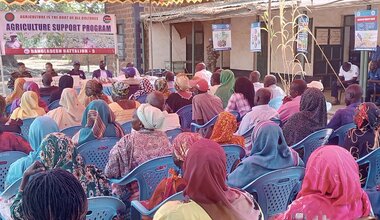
{"points": [[104, 208], [341, 133], [148, 175], [142, 99], [127, 127], [173, 133], [45, 98], [55, 104], [6, 159], [233, 153], [276, 190], [71, 131], [237, 115], [96, 152], [8, 109], [25, 127], [310, 143], [185, 116], [11, 190], [276, 102], [373, 176], [195, 127]]}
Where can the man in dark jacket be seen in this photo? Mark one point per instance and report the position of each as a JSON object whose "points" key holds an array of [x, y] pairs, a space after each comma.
{"points": [[102, 73], [20, 73]]}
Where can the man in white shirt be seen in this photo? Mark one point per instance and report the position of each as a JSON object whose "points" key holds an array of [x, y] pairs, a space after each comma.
{"points": [[102, 73], [171, 121], [270, 82], [261, 112], [201, 72], [254, 77], [348, 74]]}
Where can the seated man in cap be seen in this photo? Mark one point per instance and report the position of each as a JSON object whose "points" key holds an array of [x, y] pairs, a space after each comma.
{"points": [[76, 71], [205, 106], [130, 73]]}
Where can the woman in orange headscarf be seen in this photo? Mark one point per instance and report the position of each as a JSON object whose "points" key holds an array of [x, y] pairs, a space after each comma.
{"points": [[17, 92], [224, 129]]}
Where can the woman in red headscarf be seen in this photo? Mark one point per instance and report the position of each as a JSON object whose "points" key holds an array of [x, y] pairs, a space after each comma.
{"points": [[331, 188], [209, 196]]}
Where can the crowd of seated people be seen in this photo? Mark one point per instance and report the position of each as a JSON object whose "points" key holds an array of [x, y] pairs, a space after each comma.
{"points": [[331, 187]]}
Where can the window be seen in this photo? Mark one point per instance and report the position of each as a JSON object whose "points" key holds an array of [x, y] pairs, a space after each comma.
{"points": [[120, 31]]}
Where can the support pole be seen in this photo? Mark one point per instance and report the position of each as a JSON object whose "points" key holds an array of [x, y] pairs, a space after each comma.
{"points": [[171, 47], [143, 48], [361, 70], [2, 72], [269, 36], [193, 47], [151, 34], [365, 73]]}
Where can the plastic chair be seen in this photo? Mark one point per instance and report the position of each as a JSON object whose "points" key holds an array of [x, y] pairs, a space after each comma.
{"points": [[138, 210], [185, 116], [25, 127], [341, 133], [148, 175], [6, 159], [233, 153], [45, 98], [96, 152], [55, 104], [310, 143], [142, 99], [237, 115], [11, 190], [71, 131], [194, 127], [104, 208], [373, 160], [127, 127], [276, 190], [276, 102], [8, 109], [247, 137], [173, 133]]}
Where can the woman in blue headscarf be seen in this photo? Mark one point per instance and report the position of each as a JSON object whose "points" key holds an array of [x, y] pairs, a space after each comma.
{"points": [[39, 129], [269, 152], [98, 121]]}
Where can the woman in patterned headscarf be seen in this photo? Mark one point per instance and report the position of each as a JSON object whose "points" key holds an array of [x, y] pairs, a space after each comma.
{"points": [[224, 129], [145, 88], [364, 139], [98, 121], [58, 151], [312, 117], [90, 91], [162, 86]]}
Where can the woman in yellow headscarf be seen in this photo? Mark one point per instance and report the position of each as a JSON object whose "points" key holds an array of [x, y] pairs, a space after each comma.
{"points": [[17, 92], [28, 107], [224, 129]]}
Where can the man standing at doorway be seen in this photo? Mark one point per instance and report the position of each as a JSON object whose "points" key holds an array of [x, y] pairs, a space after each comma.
{"points": [[212, 56], [348, 74]]}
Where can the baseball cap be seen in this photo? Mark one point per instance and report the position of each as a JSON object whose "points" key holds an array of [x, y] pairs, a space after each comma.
{"points": [[200, 83], [76, 63]]}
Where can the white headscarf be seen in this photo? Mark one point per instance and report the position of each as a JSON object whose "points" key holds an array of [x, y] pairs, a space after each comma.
{"points": [[151, 117], [70, 112]]}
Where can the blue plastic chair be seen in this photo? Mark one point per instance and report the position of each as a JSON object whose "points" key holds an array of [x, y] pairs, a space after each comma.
{"points": [[373, 161], [11, 190], [8, 109], [341, 133], [237, 115], [6, 159], [45, 98], [25, 127], [148, 175], [276, 102], [127, 127], [142, 99], [173, 133], [194, 127], [234, 154], [71, 131], [276, 190], [55, 104], [96, 152], [310, 143], [138, 210], [104, 208], [185, 116], [247, 137]]}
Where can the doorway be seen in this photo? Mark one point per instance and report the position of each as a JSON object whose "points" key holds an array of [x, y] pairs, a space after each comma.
{"points": [[330, 40], [262, 57], [198, 48]]}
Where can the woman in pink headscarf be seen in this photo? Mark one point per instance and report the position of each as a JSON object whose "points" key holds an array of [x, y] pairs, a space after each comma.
{"points": [[31, 86], [331, 188], [210, 197]]}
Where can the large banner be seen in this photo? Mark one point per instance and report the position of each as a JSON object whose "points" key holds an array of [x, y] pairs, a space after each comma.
{"points": [[57, 33], [303, 26], [221, 36], [255, 37], [366, 30]]}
